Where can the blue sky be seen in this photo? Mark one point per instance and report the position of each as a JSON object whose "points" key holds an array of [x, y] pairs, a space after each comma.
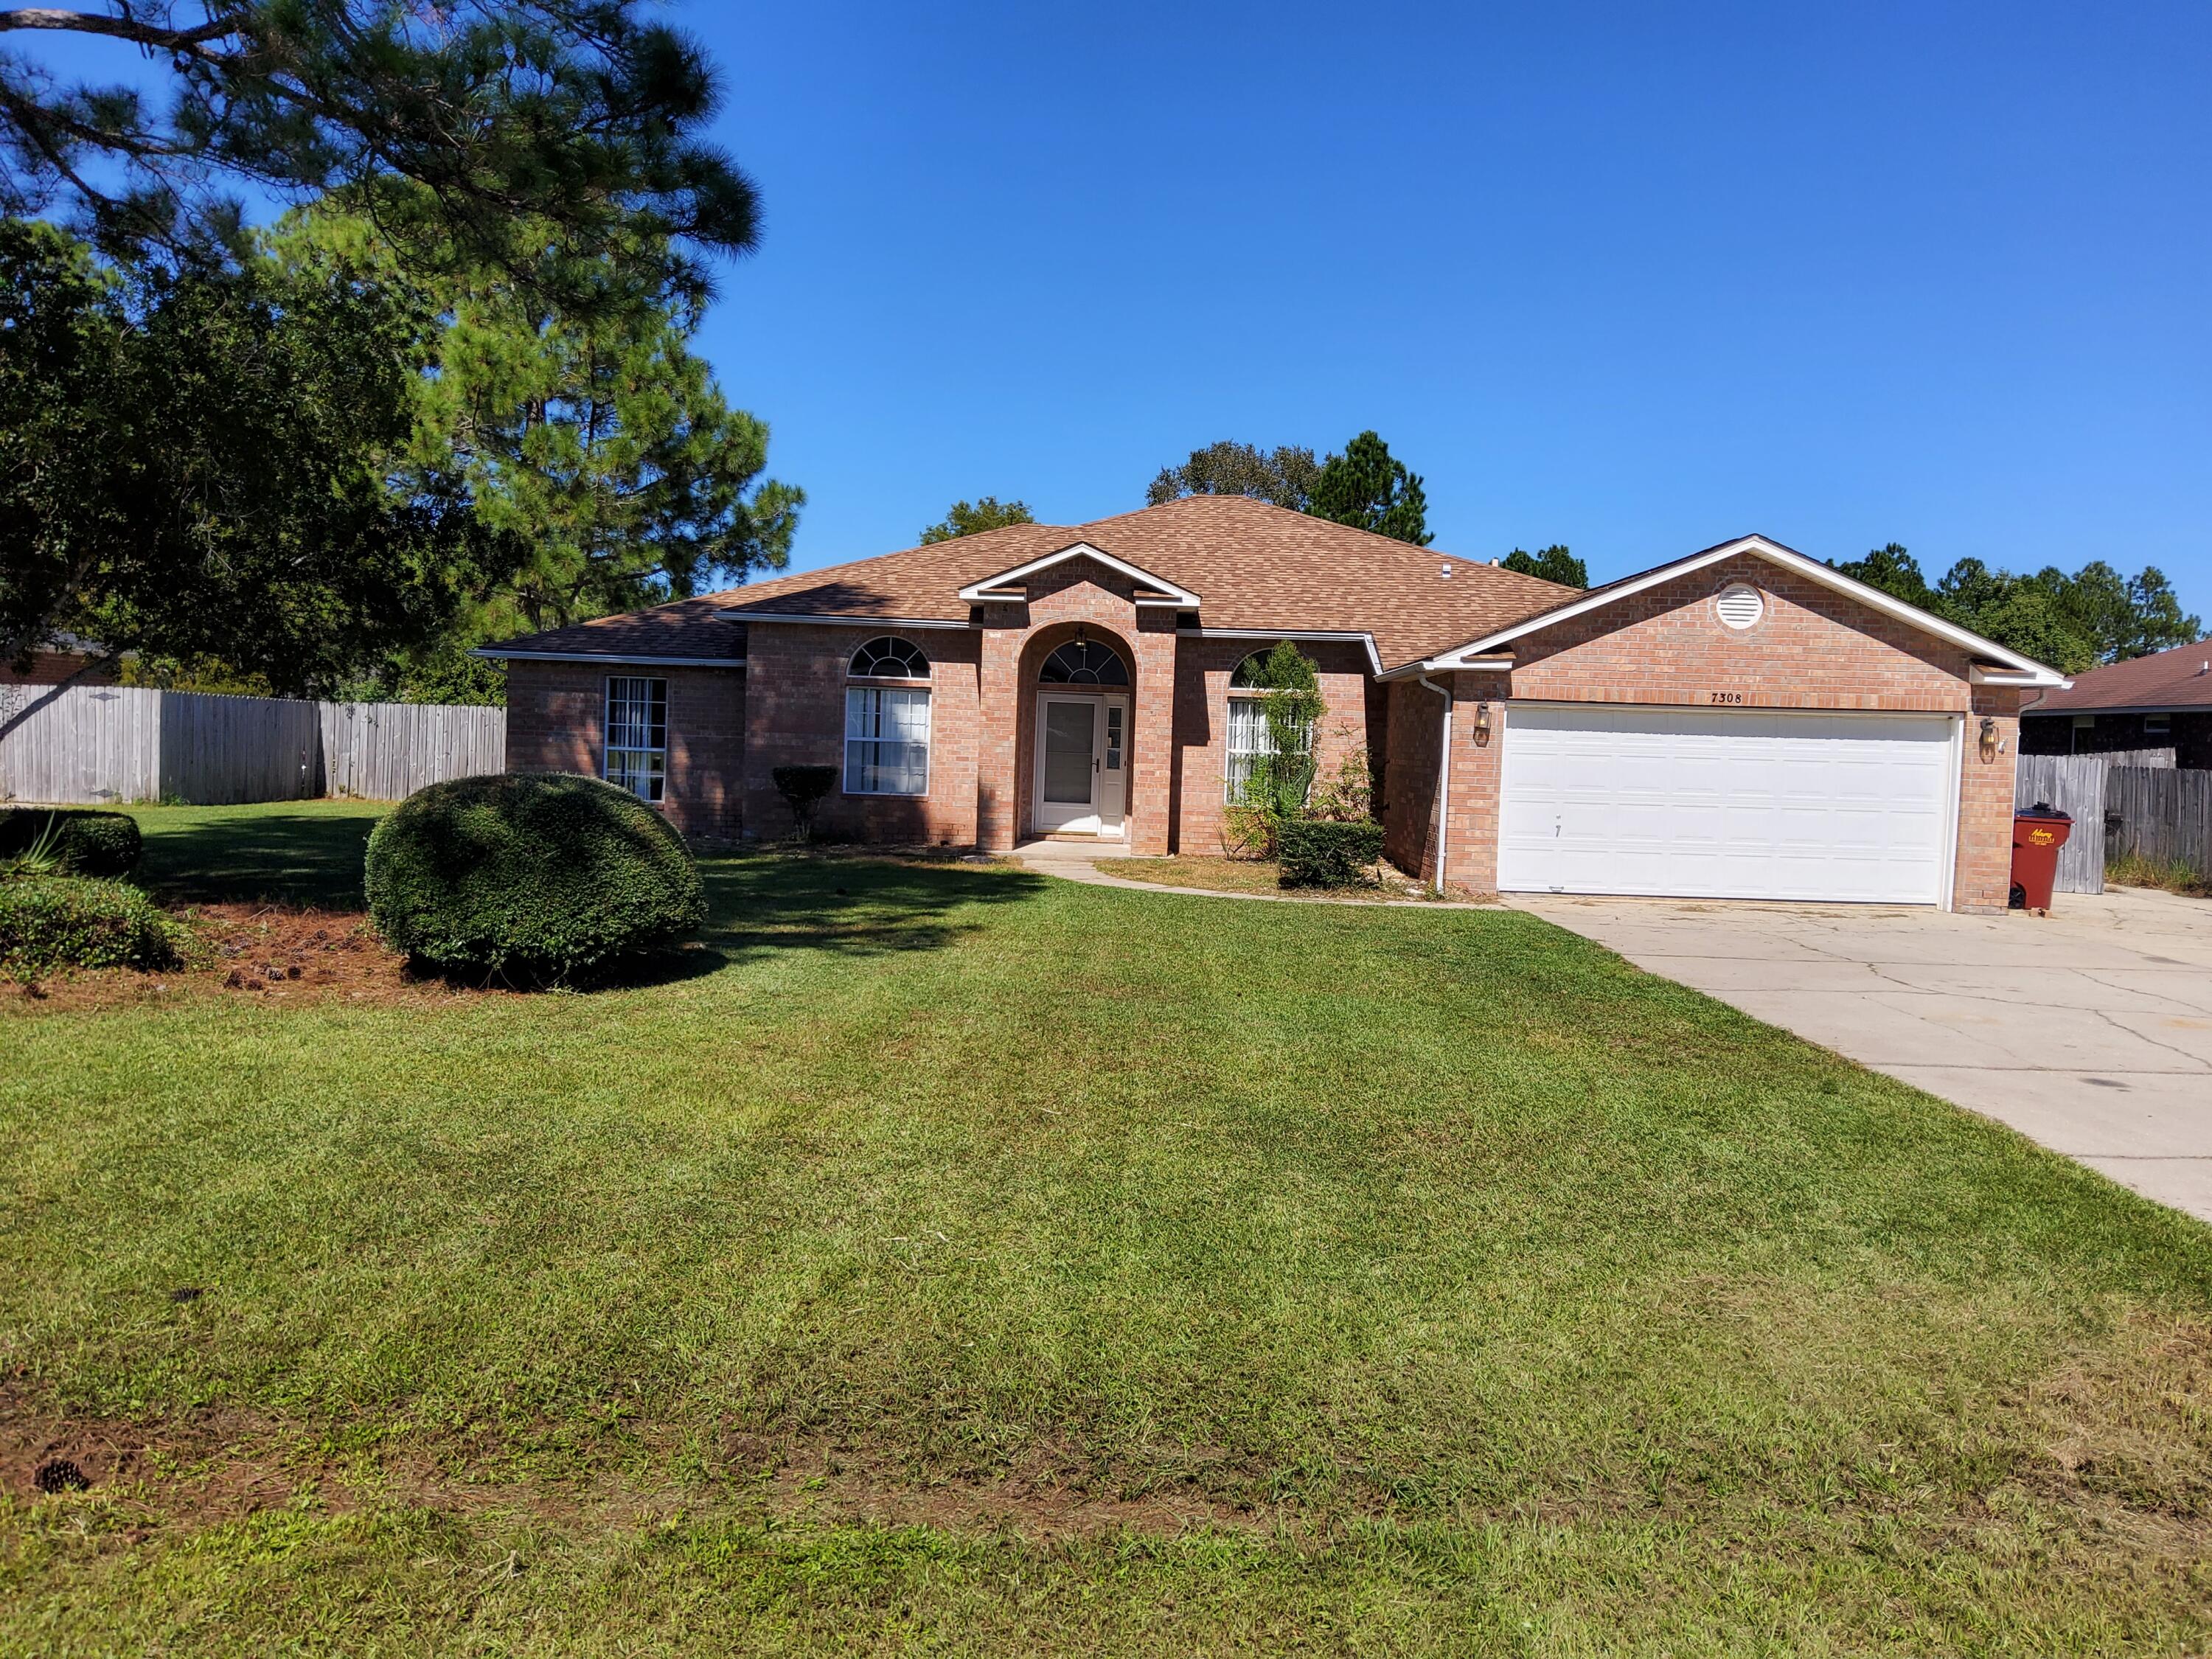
{"points": [[1634, 277]]}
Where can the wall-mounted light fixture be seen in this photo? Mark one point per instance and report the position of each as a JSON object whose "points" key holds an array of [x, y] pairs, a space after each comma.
{"points": [[1482, 725], [1989, 740], [1079, 633]]}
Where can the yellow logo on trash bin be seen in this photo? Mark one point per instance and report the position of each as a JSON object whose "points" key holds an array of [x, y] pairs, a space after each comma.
{"points": [[2041, 837]]}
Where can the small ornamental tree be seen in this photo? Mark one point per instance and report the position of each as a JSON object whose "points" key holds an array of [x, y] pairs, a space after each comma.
{"points": [[1281, 778], [802, 788]]}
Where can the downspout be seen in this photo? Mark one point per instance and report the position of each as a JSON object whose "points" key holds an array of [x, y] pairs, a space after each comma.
{"points": [[1444, 782]]}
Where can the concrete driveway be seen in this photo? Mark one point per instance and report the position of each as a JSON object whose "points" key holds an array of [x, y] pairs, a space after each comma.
{"points": [[2089, 1030]]}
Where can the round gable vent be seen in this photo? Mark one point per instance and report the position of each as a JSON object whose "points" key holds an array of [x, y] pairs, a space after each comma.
{"points": [[1740, 605]]}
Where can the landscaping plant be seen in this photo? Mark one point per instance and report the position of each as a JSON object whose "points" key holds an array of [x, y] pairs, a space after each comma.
{"points": [[1282, 779], [49, 922], [1329, 851], [802, 788], [78, 844], [534, 877]]}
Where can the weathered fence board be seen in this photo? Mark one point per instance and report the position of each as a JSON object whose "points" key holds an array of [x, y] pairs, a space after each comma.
{"points": [[85, 744], [2161, 815], [218, 752], [387, 750], [2076, 785], [80, 743]]}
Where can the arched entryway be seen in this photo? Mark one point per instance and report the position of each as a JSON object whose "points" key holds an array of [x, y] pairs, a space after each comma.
{"points": [[1077, 688]]}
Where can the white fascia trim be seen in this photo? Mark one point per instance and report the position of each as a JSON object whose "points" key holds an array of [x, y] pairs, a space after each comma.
{"points": [[842, 622], [977, 592], [1977, 675], [617, 658], [1454, 662], [1322, 636], [1773, 553]]}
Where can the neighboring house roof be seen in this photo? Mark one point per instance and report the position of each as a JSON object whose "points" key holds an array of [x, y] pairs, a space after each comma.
{"points": [[685, 631], [2166, 681], [1252, 566], [1993, 664]]}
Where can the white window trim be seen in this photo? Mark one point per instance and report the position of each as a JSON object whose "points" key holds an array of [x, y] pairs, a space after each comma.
{"points": [[919, 688], [609, 748]]}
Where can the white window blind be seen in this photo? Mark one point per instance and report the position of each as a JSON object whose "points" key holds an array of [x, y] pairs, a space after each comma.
{"points": [[637, 736], [886, 741]]}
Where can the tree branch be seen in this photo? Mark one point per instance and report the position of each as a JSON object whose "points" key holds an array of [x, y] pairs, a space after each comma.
{"points": [[126, 27]]}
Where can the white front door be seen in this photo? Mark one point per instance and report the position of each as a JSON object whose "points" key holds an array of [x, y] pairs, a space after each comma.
{"points": [[1082, 764], [1692, 803]]}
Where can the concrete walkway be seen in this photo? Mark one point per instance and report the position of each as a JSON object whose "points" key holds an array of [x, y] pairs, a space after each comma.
{"points": [[2089, 1030], [1075, 860]]}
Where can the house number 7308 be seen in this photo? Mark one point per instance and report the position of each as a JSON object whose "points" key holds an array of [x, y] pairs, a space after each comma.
{"points": [[1725, 696]]}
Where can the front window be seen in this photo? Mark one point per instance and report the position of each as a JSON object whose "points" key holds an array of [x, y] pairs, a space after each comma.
{"points": [[637, 736], [1249, 736], [1248, 739], [886, 741]]}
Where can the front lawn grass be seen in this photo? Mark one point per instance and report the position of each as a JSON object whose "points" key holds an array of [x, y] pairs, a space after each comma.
{"points": [[291, 852], [973, 1261]]}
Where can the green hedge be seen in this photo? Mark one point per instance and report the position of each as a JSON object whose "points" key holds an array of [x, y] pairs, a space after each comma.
{"points": [[49, 922], [85, 843], [537, 876], [1324, 853]]}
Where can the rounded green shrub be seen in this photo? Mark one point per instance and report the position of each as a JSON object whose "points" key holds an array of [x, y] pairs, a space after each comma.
{"points": [[538, 876], [1324, 853], [51, 923], [82, 843]]}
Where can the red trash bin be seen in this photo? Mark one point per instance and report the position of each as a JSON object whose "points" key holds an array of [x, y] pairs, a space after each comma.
{"points": [[2037, 833]]}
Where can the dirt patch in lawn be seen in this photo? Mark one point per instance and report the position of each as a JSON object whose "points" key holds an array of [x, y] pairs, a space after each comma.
{"points": [[278, 953], [214, 1466]]}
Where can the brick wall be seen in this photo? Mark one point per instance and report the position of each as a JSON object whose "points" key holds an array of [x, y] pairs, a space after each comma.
{"points": [[1203, 668], [1812, 648], [557, 718], [1412, 731], [795, 716]]}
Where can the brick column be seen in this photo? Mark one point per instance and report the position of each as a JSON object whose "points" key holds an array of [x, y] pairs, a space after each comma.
{"points": [[1152, 750], [1982, 881], [998, 805], [1471, 830]]}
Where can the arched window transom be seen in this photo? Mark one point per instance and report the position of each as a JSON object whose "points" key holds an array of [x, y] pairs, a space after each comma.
{"points": [[1247, 673], [1084, 662], [887, 658]]}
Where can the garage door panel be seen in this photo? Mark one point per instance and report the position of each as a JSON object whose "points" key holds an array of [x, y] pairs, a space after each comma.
{"points": [[1755, 805]]}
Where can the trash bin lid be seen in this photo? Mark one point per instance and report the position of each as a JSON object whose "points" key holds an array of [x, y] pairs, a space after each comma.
{"points": [[2042, 809]]}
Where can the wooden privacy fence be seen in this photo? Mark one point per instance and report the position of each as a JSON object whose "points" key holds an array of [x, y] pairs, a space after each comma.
{"points": [[2163, 815], [105, 744], [387, 750], [2075, 784]]}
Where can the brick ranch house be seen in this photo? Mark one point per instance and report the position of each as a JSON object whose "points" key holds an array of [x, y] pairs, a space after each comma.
{"points": [[1744, 722], [2163, 701]]}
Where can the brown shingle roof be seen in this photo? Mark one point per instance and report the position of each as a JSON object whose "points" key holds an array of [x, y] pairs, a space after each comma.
{"points": [[1252, 566], [2166, 679]]}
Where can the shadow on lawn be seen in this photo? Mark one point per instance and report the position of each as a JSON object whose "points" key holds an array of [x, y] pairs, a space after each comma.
{"points": [[759, 903], [307, 860]]}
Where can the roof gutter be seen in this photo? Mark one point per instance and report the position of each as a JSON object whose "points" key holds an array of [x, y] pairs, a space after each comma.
{"points": [[1444, 782], [498, 653]]}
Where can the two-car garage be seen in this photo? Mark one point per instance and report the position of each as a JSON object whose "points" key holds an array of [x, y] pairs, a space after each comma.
{"points": [[1727, 803]]}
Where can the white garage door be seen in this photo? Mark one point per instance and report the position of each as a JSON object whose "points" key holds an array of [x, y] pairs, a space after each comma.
{"points": [[1601, 799]]}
